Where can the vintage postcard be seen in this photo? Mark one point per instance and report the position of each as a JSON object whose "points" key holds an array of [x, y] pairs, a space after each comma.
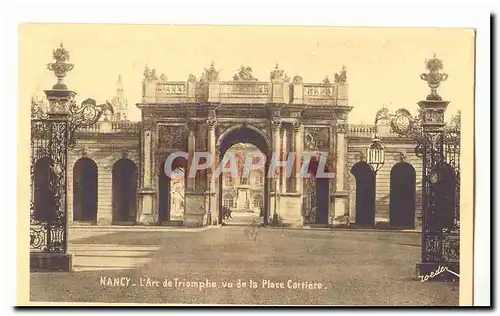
{"points": [[245, 165]]}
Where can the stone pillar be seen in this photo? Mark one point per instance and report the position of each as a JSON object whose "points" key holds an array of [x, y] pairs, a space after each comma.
{"points": [[195, 197], [191, 183], [147, 194], [285, 150], [212, 188], [340, 194], [277, 153], [298, 93], [298, 137], [214, 92]]}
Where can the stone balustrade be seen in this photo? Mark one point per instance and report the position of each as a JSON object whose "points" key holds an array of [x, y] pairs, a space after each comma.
{"points": [[111, 127], [364, 130]]}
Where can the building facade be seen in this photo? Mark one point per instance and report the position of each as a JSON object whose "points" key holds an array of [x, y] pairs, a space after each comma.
{"points": [[116, 174]]}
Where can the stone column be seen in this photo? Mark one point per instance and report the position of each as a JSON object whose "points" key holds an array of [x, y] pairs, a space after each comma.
{"points": [[285, 150], [195, 197], [277, 152], [340, 194], [298, 137], [191, 183], [275, 178], [147, 194], [212, 188]]}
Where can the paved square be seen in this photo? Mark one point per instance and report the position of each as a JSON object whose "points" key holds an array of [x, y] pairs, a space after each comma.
{"points": [[353, 267]]}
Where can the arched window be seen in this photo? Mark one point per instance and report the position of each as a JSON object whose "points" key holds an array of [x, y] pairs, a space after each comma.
{"points": [[228, 200]]}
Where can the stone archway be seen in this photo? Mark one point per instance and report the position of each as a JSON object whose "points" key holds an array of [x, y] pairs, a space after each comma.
{"points": [[243, 134], [365, 193], [318, 193], [124, 191], [85, 190], [402, 195], [166, 200]]}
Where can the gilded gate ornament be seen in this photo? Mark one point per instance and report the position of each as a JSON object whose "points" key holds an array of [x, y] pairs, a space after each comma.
{"points": [[60, 67], [434, 77]]}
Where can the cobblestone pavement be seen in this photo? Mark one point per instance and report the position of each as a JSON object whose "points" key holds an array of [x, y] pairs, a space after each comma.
{"points": [[353, 267]]}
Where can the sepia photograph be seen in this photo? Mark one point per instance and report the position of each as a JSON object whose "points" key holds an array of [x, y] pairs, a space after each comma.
{"points": [[246, 165]]}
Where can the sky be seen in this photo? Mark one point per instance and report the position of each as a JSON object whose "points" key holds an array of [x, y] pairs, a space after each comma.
{"points": [[383, 64]]}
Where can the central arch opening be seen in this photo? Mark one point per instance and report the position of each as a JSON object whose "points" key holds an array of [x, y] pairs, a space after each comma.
{"points": [[243, 196]]}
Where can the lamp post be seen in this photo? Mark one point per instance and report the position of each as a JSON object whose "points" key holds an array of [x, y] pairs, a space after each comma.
{"points": [[209, 214], [375, 154]]}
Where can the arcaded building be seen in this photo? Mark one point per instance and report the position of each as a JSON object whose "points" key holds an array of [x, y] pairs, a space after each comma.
{"points": [[116, 174]]}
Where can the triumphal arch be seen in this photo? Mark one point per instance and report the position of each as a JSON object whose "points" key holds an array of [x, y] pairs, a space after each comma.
{"points": [[279, 116]]}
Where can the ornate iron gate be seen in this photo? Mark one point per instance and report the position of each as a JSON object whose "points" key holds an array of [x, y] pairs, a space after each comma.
{"points": [[49, 148], [441, 198], [438, 144]]}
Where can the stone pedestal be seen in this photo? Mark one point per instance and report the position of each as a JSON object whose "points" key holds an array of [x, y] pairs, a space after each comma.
{"points": [[340, 196], [51, 262], [196, 210], [147, 201], [340, 211], [243, 199], [290, 209]]}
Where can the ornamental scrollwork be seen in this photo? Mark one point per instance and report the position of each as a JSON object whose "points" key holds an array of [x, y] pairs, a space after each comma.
{"points": [[83, 115], [342, 128], [172, 137], [37, 109], [297, 80], [316, 139]]}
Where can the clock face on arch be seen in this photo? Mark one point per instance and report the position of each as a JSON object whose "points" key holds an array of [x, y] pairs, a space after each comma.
{"points": [[401, 124]]}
